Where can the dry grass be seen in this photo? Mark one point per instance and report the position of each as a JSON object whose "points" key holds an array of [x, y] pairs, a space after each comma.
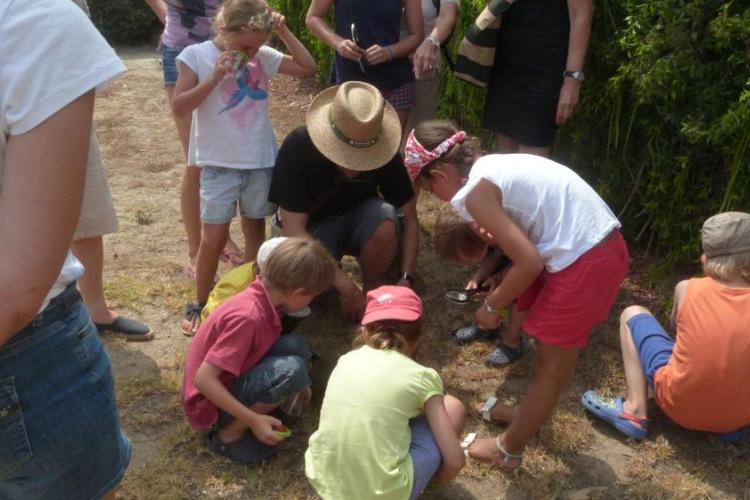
{"points": [[572, 456]]}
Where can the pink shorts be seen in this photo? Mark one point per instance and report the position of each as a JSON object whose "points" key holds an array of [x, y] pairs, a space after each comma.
{"points": [[565, 306]]}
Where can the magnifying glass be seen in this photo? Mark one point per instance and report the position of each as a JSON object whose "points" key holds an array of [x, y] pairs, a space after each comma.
{"points": [[462, 296]]}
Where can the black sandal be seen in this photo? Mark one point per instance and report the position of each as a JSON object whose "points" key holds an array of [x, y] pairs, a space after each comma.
{"points": [[192, 318]]}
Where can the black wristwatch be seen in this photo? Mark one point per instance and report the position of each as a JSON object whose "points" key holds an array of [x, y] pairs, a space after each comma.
{"points": [[408, 277], [575, 75]]}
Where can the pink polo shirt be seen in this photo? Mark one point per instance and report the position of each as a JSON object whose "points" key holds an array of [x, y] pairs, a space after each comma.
{"points": [[235, 337]]}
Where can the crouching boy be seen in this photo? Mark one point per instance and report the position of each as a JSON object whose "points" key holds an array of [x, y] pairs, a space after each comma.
{"points": [[239, 368], [700, 377]]}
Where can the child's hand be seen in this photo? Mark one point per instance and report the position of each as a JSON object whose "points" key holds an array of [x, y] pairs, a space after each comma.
{"points": [[262, 427], [481, 232], [278, 22], [377, 54], [224, 66]]}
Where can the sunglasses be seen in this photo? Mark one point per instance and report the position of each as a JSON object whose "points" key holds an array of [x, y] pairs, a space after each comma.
{"points": [[355, 39]]}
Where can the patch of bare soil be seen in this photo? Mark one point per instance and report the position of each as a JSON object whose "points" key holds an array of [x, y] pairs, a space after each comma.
{"points": [[572, 457]]}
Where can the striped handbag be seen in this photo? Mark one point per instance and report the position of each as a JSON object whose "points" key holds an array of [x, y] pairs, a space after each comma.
{"points": [[476, 52]]}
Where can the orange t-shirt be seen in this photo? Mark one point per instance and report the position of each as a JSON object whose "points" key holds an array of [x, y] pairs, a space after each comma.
{"points": [[706, 384]]}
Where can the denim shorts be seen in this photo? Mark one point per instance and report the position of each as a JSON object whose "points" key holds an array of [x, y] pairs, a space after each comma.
{"points": [[347, 233], [223, 189], [653, 343], [425, 455], [169, 65], [60, 433], [281, 373]]}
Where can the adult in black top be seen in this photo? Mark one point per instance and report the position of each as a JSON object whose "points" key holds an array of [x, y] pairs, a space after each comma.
{"points": [[351, 212]]}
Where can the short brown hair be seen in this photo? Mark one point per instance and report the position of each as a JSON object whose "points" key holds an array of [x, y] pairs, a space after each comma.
{"points": [[391, 334], [299, 263], [430, 133], [243, 15], [454, 236]]}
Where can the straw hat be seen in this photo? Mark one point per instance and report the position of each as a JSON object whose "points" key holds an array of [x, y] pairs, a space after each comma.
{"points": [[354, 127]]}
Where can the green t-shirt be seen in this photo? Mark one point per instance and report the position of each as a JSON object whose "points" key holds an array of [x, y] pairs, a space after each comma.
{"points": [[361, 449]]}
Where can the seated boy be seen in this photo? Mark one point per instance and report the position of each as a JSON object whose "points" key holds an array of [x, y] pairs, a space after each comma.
{"points": [[700, 377], [239, 368], [456, 240]]}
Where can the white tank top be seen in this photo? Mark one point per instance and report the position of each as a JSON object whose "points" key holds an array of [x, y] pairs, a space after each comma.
{"points": [[559, 212]]}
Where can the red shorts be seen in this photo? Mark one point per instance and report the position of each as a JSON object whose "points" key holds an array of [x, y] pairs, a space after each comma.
{"points": [[565, 306]]}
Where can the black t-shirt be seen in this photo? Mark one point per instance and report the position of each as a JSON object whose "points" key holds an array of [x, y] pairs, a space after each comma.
{"points": [[305, 181]]}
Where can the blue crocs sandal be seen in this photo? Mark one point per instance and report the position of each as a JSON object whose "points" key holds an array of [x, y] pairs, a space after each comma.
{"points": [[472, 333], [738, 435], [610, 410], [504, 355]]}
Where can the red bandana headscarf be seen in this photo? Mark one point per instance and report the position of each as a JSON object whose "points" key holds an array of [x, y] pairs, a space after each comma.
{"points": [[416, 156]]}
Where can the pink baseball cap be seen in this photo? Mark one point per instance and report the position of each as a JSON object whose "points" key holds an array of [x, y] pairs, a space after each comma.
{"points": [[392, 302]]}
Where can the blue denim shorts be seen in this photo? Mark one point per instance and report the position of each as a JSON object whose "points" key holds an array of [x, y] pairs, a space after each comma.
{"points": [[60, 433], [347, 233], [169, 65], [425, 455], [223, 189], [281, 373], [653, 343]]}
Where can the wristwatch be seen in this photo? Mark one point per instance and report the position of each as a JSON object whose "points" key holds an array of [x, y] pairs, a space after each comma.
{"points": [[575, 75], [407, 277], [433, 40]]}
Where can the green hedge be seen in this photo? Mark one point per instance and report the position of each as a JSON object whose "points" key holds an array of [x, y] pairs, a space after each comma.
{"points": [[125, 21], [663, 128]]}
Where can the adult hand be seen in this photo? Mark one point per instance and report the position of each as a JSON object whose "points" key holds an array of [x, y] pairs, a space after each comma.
{"points": [[350, 50], [278, 21], [377, 54], [352, 301], [487, 320], [569, 94], [425, 59], [262, 427]]}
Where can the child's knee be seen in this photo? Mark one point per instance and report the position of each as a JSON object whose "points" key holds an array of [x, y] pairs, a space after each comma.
{"points": [[293, 344], [631, 311], [290, 376]]}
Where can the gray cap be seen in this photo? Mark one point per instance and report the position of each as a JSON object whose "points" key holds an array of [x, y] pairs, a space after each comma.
{"points": [[726, 233]]}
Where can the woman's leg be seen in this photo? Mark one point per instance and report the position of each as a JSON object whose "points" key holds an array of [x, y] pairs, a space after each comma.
{"points": [[505, 144], [189, 198], [535, 150]]}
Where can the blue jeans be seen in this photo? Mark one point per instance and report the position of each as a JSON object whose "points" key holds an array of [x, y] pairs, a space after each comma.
{"points": [[169, 65], [281, 373], [425, 455], [60, 434], [223, 189]]}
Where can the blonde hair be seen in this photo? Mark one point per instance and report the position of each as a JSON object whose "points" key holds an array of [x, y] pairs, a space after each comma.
{"points": [[431, 133], [453, 236], [390, 334], [728, 267], [299, 263], [243, 15]]}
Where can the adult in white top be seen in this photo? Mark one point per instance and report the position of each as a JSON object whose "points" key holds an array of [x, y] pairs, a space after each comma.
{"points": [[567, 256], [59, 427]]}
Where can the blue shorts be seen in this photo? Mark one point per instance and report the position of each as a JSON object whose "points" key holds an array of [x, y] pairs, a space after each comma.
{"points": [[425, 455], [223, 189], [653, 343], [281, 373], [169, 65], [347, 233], [60, 433]]}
